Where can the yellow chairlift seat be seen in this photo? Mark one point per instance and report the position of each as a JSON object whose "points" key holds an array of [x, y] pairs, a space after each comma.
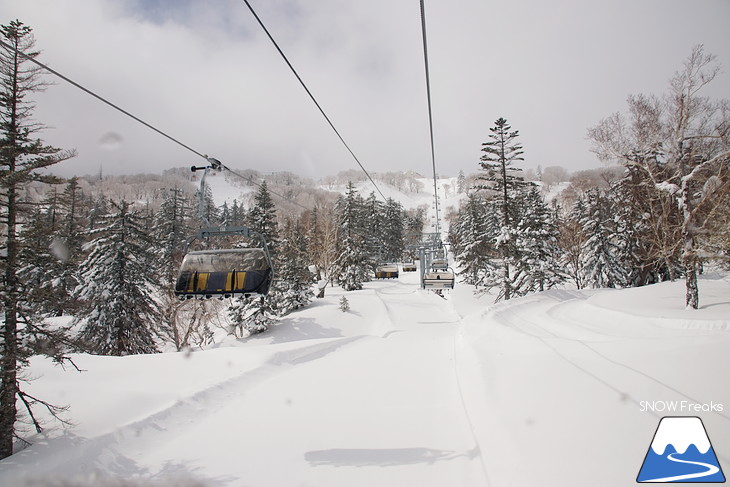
{"points": [[386, 271], [226, 272], [409, 267]]}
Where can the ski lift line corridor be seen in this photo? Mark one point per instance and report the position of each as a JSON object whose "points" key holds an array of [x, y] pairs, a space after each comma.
{"points": [[430, 115]]}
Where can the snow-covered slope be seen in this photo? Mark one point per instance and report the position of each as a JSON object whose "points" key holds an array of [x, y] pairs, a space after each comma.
{"points": [[406, 388]]}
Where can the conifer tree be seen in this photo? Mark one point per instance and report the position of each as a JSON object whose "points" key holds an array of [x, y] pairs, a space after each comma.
{"points": [[22, 155], [602, 265], [500, 153], [393, 221], [472, 237], [117, 278], [352, 260], [370, 222], [171, 231], [537, 267], [294, 280], [254, 313], [262, 218]]}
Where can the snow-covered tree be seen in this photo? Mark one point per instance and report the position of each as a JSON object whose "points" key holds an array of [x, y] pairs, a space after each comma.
{"points": [[678, 144], [22, 157], [262, 218], [537, 265], [505, 180], [369, 220], [171, 229], [393, 223], [293, 288], [352, 259], [118, 309], [472, 237], [254, 313], [602, 265]]}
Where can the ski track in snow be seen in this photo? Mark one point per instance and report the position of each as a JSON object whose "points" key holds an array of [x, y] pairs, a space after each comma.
{"points": [[571, 346], [407, 389]]}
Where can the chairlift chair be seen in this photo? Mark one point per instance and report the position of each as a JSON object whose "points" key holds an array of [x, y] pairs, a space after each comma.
{"points": [[224, 273], [439, 279], [386, 271], [409, 267]]}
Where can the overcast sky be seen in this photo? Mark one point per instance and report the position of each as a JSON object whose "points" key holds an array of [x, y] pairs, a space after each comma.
{"points": [[204, 72]]}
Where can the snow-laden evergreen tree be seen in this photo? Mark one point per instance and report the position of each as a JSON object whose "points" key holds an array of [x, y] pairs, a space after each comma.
{"points": [[224, 215], [183, 323], [293, 280], [43, 270], [370, 222], [262, 218], [537, 266], [505, 180], [461, 183], [344, 304], [471, 237], [99, 207], [352, 260], [208, 212], [238, 214], [602, 265], [253, 314], [393, 222], [117, 287], [23, 156], [171, 230]]}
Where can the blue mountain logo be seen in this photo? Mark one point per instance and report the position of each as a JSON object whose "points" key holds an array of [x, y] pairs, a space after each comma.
{"points": [[681, 452]]}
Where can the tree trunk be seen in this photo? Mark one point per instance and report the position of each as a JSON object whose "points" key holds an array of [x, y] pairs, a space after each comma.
{"points": [[692, 295], [9, 386]]}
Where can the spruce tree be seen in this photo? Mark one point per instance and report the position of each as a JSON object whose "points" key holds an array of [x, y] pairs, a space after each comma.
{"points": [[370, 222], [262, 217], [602, 265], [294, 280], [22, 156], [118, 311], [255, 313], [501, 177], [171, 230], [352, 259], [537, 265], [472, 237], [393, 242]]}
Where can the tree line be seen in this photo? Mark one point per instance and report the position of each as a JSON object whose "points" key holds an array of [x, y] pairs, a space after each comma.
{"points": [[664, 218]]}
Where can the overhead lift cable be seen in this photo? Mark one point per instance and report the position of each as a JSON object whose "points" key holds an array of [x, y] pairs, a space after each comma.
{"points": [[215, 164], [430, 117], [321, 110]]}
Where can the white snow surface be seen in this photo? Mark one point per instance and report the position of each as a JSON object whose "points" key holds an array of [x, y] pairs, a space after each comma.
{"points": [[681, 432], [406, 388]]}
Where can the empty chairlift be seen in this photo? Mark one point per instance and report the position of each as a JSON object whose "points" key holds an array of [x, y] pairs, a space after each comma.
{"points": [[386, 271], [224, 273]]}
